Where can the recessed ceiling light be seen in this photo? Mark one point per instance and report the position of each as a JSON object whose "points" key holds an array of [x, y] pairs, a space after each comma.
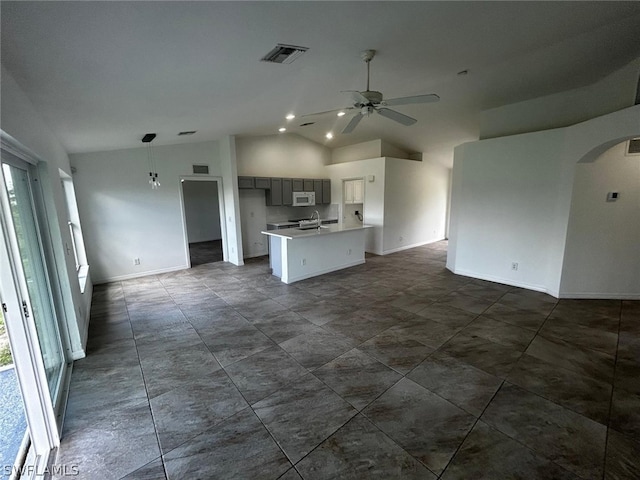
{"points": [[329, 135], [341, 114], [282, 129], [291, 116]]}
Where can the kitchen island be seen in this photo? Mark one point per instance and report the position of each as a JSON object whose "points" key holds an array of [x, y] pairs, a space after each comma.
{"points": [[296, 254]]}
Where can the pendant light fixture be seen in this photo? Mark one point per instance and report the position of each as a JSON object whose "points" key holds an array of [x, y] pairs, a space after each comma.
{"points": [[151, 161]]}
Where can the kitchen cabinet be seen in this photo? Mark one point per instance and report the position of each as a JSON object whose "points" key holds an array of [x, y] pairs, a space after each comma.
{"points": [[297, 185], [326, 191], [274, 193], [262, 182], [246, 182], [287, 191], [308, 185], [317, 188], [354, 191]]}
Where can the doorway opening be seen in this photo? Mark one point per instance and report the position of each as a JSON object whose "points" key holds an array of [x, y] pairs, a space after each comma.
{"points": [[203, 210], [353, 201]]}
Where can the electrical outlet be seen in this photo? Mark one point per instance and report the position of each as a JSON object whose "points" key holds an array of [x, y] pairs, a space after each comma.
{"points": [[303, 262], [349, 251], [401, 238], [136, 261], [514, 266]]}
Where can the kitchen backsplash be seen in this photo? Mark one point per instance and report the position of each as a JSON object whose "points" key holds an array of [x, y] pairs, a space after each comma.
{"points": [[278, 214]]}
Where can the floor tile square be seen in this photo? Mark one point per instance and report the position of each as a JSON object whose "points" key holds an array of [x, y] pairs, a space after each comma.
{"points": [[424, 424], [582, 394], [263, 373], [357, 377], [625, 413], [499, 332], [623, 457], [489, 356], [463, 385], [553, 432], [303, 415], [359, 450], [184, 412], [237, 448], [317, 347], [487, 453], [396, 351], [590, 363]]}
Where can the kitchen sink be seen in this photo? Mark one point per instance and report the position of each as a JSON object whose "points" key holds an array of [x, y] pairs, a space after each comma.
{"points": [[311, 227]]}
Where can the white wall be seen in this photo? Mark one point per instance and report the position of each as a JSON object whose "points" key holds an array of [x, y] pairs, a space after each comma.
{"points": [[202, 211], [349, 216], [362, 151], [253, 214], [602, 253], [22, 122], [416, 198], [373, 195], [284, 155], [123, 218], [511, 200], [612, 93]]}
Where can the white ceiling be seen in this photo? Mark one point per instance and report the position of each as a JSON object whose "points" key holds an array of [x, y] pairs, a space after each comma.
{"points": [[103, 74]]}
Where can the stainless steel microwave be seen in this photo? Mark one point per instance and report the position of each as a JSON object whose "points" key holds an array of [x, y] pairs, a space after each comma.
{"points": [[304, 199]]}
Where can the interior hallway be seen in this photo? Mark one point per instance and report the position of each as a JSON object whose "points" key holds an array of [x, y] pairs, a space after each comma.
{"points": [[393, 369]]}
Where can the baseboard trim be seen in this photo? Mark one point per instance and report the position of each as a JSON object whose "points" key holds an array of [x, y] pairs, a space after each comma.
{"points": [[120, 278], [506, 281], [601, 296]]}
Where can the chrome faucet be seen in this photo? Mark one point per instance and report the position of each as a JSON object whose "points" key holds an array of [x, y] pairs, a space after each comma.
{"points": [[317, 215]]}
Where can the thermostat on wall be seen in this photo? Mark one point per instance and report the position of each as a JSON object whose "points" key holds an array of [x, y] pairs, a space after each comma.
{"points": [[612, 196]]}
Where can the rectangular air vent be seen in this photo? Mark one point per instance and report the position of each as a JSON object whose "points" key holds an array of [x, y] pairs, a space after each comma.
{"points": [[201, 169], [188, 132], [634, 147], [284, 54]]}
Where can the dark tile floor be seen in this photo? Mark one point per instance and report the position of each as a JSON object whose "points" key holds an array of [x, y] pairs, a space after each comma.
{"points": [[205, 252], [392, 369]]}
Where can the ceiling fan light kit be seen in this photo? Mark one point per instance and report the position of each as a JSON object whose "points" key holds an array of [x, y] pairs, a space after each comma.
{"points": [[372, 101]]}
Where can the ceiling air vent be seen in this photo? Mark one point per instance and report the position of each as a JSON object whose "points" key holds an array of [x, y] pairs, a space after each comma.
{"points": [[201, 169], [634, 146], [188, 132], [284, 54]]}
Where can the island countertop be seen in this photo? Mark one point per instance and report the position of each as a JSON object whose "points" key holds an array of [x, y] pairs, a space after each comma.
{"points": [[291, 233]]}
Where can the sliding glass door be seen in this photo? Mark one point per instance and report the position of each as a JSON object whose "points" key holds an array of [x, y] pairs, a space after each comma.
{"points": [[29, 245], [30, 313]]}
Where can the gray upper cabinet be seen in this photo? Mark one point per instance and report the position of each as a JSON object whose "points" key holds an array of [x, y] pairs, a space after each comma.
{"points": [[274, 193], [287, 191], [246, 182], [317, 188], [263, 182], [326, 191], [308, 185], [298, 185]]}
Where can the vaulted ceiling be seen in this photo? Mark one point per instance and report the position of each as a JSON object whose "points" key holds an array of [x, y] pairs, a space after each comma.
{"points": [[102, 74]]}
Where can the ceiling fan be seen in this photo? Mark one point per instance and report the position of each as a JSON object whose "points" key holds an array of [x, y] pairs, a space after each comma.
{"points": [[370, 101]]}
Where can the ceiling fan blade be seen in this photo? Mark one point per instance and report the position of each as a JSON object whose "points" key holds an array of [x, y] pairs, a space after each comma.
{"points": [[396, 116], [353, 123], [335, 110], [431, 98], [357, 96]]}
